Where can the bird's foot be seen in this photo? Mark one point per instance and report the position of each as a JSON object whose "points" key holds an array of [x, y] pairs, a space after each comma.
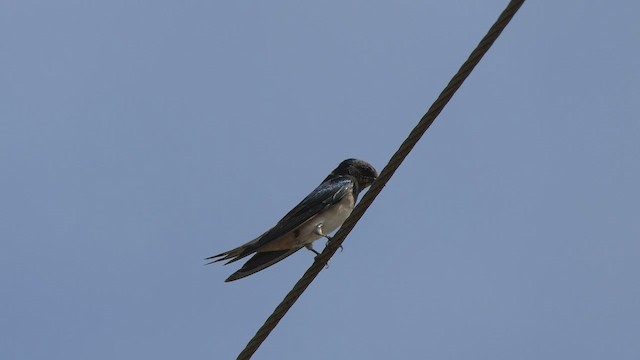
{"points": [[310, 248], [329, 238]]}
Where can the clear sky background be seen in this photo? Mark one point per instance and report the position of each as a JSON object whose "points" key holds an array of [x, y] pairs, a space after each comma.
{"points": [[139, 137]]}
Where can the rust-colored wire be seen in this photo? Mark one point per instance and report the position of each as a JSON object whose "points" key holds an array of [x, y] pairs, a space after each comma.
{"points": [[381, 181]]}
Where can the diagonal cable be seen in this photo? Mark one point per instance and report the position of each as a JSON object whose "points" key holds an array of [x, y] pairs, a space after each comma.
{"points": [[382, 180]]}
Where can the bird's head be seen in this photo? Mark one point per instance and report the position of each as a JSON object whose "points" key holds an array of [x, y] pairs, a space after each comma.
{"points": [[362, 171]]}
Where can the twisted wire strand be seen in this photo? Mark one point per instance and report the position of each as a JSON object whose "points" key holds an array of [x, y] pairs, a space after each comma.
{"points": [[383, 178]]}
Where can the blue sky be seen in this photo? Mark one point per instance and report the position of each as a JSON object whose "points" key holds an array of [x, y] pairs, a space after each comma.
{"points": [[138, 137]]}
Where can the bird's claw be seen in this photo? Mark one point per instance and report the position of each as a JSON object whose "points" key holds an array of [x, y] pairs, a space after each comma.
{"points": [[317, 257]]}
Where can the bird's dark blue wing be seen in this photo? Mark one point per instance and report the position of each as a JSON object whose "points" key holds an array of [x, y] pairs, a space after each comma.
{"points": [[331, 191], [328, 193]]}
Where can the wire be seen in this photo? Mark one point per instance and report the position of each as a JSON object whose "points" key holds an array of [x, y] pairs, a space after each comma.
{"points": [[382, 179]]}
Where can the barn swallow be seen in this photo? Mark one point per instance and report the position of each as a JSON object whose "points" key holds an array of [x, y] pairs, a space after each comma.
{"points": [[317, 215]]}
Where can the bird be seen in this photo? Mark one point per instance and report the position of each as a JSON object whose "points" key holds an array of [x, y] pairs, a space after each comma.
{"points": [[316, 216]]}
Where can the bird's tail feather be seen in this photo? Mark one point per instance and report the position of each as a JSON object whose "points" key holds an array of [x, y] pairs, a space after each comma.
{"points": [[260, 261], [235, 254]]}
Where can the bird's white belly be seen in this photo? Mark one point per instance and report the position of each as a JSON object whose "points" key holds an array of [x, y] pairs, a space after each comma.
{"points": [[327, 221]]}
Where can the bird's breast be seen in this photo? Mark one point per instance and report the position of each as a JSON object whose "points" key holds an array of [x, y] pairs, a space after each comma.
{"points": [[329, 220]]}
